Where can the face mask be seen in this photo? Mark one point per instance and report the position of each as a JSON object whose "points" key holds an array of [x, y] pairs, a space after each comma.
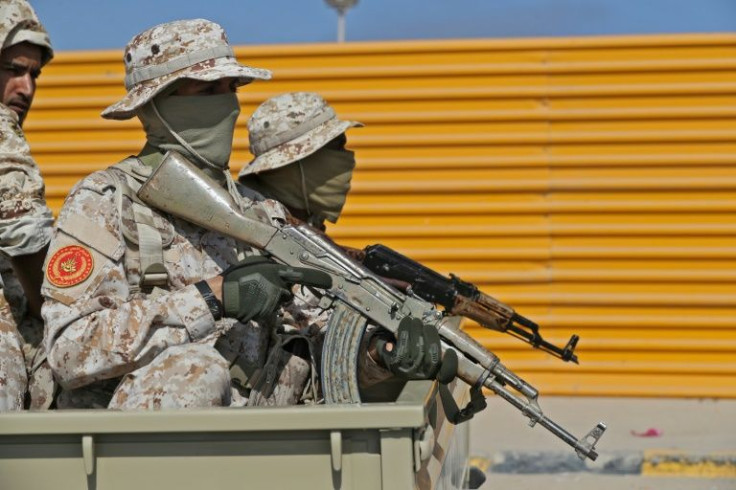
{"points": [[316, 185], [200, 127]]}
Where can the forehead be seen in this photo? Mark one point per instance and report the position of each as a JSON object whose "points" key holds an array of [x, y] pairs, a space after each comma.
{"points": [[27, 52]]}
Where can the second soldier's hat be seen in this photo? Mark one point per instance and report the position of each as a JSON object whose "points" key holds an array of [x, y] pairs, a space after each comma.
{"points": [[158, 57], [289, 127]]}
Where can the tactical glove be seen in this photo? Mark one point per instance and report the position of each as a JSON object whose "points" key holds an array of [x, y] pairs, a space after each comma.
{"points": [[417, 353], [255, 288]]}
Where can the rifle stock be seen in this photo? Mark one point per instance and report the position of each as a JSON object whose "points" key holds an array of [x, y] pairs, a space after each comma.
{"points": [[179, 188]]}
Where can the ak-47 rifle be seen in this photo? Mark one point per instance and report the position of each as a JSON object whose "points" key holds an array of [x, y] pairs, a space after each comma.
{"points": [[458, 297], [179, 188]]}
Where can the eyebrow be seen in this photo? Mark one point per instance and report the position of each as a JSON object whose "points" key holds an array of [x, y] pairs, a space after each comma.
{"points": [[14, 65]]}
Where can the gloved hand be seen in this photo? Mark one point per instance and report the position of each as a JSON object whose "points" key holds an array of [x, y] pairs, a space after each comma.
{"points": [[257, 286], [417, 353]]}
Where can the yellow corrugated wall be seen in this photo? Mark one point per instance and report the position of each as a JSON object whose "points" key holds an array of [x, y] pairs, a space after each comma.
{"points": [[588, 182]]}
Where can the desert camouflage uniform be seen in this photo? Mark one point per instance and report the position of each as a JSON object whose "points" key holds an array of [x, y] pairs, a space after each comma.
{"points": [[107, 326], [136, 347], [25, 228], [106, 331], [282, 131], [13, 376]]}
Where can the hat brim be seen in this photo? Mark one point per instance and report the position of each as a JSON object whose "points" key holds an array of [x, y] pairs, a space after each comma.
{"points": [[207, 71], [298, 148], [37, 37]]}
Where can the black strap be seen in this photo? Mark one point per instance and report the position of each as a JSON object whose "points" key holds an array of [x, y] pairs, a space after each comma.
{"points": [[209, 297]]}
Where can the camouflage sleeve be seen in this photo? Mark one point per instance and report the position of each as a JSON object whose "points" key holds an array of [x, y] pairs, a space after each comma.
{"points": [[96, 326], [266, 210], [25, 220], [13, 375]]}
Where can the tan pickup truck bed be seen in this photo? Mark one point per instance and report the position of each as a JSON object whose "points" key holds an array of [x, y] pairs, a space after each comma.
{"points": [[401, 445]]}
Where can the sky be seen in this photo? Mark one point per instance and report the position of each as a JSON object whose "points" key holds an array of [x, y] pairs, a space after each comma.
{"points": [[110, 24]]}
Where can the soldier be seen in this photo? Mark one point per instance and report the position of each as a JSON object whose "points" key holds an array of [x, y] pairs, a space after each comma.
{"points": [[300, 160], [25, 220], [128, 290], [300, 156], [144, 310]]}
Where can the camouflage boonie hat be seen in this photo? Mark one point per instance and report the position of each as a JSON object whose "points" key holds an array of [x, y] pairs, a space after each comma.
{"points": [[168, 52], [289, 127], [19, 23]]}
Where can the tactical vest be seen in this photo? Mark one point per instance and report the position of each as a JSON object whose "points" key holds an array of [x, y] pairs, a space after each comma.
{"points": [[146, 235], [298, 379]]}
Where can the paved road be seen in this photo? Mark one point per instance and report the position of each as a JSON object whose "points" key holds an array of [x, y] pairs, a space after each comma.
{"points": [[677, 444]]}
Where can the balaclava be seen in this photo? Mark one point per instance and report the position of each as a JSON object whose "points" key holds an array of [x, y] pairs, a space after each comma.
{"points": [[200, 127], [316, 185]]}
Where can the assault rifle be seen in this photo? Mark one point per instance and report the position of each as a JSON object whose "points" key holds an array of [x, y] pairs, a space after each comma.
{"points": [[179, 188], [458, 297]]}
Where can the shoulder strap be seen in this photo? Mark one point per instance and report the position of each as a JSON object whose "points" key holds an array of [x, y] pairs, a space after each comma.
{"points": [[150, 243]]}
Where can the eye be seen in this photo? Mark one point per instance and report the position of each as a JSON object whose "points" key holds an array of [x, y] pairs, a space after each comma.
{"points": [[15, 70], [18, 70], [203, 88]]}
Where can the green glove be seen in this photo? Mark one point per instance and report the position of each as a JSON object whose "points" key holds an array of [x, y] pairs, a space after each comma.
{"points": [[257, 286], [417, 353]]}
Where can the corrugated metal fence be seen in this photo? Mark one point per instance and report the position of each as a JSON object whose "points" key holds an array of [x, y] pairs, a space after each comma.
{"points": [[590, 183]]}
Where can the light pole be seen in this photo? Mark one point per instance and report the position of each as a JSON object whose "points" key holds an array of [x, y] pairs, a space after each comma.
{"points": [[342, 6]]}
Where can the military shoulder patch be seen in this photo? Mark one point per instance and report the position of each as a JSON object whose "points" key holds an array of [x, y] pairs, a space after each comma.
{"points": [[69, 266]]}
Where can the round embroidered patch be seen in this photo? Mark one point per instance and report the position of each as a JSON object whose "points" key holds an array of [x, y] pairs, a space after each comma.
{"points": [[69, 266]]}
